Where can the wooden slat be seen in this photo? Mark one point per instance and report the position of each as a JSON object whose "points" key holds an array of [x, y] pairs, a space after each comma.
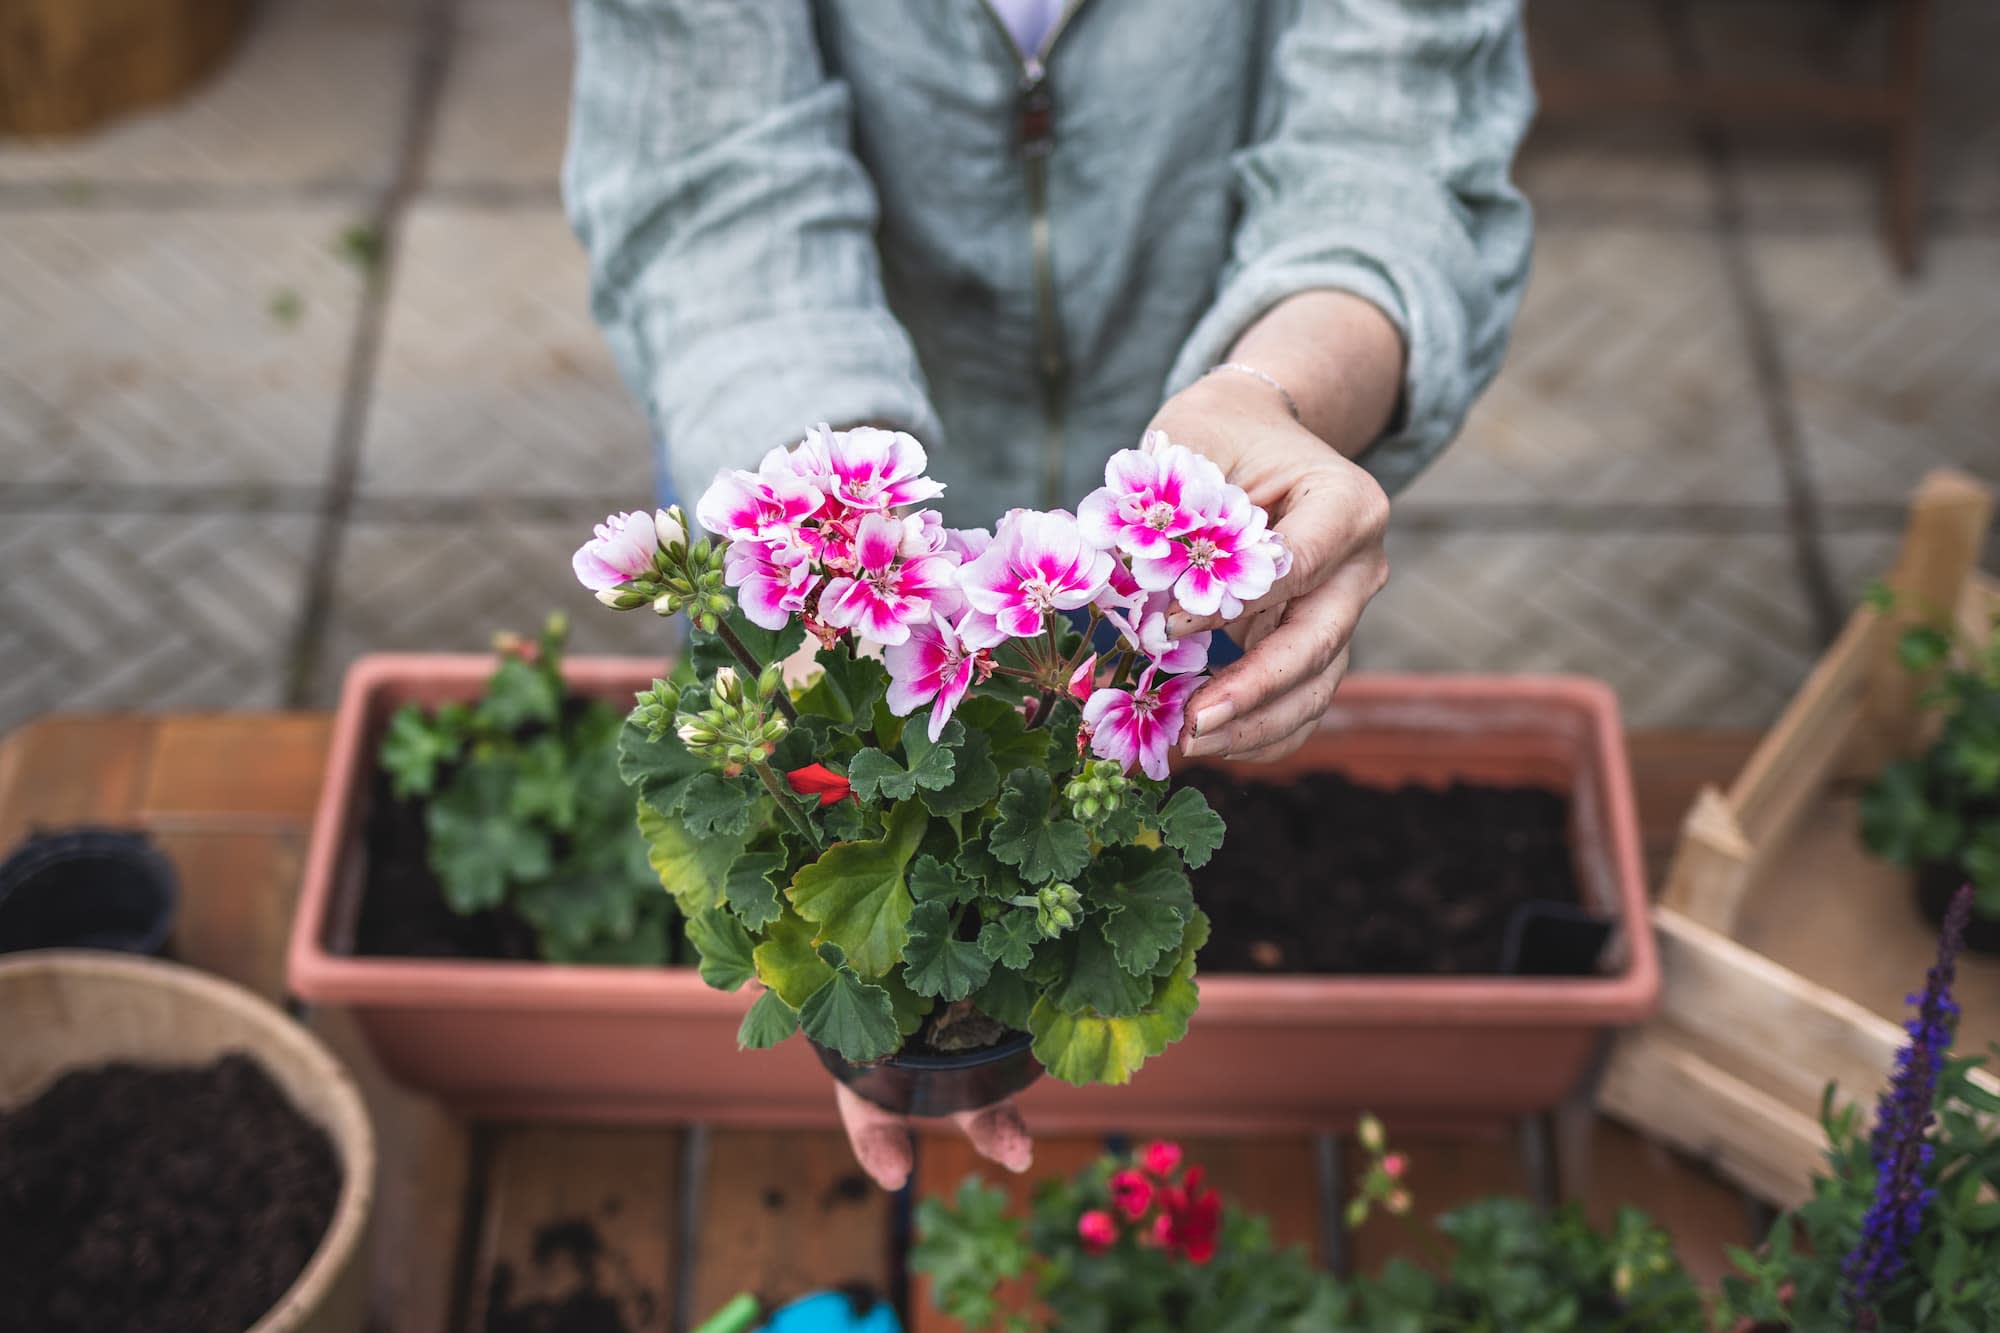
{"points": [[237, 892], [945, 1160], [238, 766], [1277, 1178], [578, 1231], [63, 771], [785, 1213], [1702, 1213], [1443, 1174], [1949, 517], [423, 1157]]}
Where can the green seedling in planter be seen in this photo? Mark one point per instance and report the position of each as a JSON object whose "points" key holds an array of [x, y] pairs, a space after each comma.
{"points": [[1940, 811], [525, 811], [1138, 1245], [956, 823], [1903, 1229]]}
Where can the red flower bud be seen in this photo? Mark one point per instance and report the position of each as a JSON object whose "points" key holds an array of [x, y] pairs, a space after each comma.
{"points": [[1160, 1157], [1098, 1231], [1131, 1194], [821, 781]]}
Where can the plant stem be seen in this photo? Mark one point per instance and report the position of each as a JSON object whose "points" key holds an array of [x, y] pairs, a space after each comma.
{"points": [[1083, 649], [1043, 707], [1124, 670], [754, 667], [782, 794]]}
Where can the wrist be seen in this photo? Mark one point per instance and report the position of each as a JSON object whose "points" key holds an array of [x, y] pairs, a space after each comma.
{"points": [[1231, 396]]}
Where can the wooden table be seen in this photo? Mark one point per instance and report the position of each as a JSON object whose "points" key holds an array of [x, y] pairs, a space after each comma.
{"points": [[477, 1223]]}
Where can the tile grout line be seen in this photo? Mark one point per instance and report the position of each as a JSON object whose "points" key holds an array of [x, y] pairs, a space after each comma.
{"points": [[1805, 517], [427, 83]]}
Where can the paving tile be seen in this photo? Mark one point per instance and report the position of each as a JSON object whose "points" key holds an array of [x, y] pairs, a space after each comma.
{"points": [[146, 612], [147, 347], [1692, 630], [1891, 378], [1964, 117], [494, 377], [1628, 380], [409, 586], [505, 108], [314, 96]]}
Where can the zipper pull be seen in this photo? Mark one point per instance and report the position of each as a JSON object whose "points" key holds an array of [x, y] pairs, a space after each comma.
{"points": [[1035, 112]]}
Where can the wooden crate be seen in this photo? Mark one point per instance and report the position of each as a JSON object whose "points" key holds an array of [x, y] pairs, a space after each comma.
{"points": [[1787, 949]]}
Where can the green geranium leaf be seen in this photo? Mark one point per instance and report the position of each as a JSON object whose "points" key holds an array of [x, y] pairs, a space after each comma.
{"points": [[851, 1016], [1148, 901], [659, 769], [786, 961], [415, 747], [476, 848], [975, 778], [694, 870], [1088, 977], [544, 789], [936, 962], [1010, 939], [1028, 837], [843, 821], [847, 689], [518, 694], [1007, 997], [933, 880], [878, 776], [1187, 824], [769, 1022], [713, 804], [574, 910], [724, 947], [1006, 731], [910, 1008], [647, 944], [856, 894], [753, 890], [1089, 1048], [707, 653]]}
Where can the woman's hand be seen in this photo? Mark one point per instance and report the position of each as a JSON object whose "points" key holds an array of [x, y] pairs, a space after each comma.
{"points": [[1332, 514], [881, 1139]]}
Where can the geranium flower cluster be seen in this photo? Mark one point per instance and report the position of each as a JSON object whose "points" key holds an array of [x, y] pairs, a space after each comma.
{"points": [[1157, 1203], [829, 531]]}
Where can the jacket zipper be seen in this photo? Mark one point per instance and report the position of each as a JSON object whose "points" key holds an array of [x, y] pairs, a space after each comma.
{"points": [[1034, 130]]}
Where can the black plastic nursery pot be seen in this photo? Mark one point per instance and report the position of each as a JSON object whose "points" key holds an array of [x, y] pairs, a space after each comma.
{"points": [[939, 1085], [1937, 881], [87, 888]]}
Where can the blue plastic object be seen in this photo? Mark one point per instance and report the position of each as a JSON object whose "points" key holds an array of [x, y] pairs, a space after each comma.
{"points": [[833, 1312]]}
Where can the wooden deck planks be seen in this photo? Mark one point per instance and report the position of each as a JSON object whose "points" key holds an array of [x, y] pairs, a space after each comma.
{"points": [[1704, 1214], [1277, 1177], [1443, 1174]]}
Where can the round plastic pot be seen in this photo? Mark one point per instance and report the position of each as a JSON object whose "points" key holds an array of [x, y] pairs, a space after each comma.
{"points": [[939, 1085], [87, 889], [1937, 881]]}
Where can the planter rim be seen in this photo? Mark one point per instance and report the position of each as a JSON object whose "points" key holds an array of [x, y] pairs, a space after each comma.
{"points": [[355, 1202], [1298, 1000]]}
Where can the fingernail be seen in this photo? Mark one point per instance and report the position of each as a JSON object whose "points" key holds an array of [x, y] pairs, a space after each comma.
{"points": [[1213, 718]]}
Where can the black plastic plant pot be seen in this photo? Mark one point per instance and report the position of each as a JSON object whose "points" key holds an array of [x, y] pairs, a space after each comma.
{"points": [[1937, 881], [938, 1085], [87, 889]]}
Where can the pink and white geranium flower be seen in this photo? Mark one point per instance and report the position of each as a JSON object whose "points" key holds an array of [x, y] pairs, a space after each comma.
{"points": [[864, 469], [1137, 727], [1146, 630], [769, 592], [621, 550], [1038, 563], [933, 665], [887, 593], [1150, 496], [1230, 559], [743, 506]]}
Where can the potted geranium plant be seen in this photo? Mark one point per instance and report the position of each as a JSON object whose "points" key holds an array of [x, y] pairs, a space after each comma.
{"points": [[1938, 813], [954, 840]]}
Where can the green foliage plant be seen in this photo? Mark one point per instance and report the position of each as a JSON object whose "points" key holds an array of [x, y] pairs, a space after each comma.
{"points": [[524, 810]]}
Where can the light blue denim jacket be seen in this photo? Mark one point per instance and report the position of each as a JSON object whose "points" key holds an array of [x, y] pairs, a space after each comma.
{"points": [[878, 210]]}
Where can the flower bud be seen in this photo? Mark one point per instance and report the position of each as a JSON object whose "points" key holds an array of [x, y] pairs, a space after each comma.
{"points": [[621, 599], [667, 604], [1398, 1202], [671, 525], [771, 681], [1621, 1279], [1370, 1135]]}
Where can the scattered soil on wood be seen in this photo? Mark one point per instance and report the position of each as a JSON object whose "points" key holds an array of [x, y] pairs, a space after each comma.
{"points": [[570, 1250], [1321, 874], [403, 910], [144, 1199]]}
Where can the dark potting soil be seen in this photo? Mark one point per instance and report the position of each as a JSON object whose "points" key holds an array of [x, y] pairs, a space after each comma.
{"points": [[135, 1200], [573, 1245], [403, 910], [1321, 874]]}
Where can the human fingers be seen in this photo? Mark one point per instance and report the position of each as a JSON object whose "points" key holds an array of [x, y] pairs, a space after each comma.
{"points": [[879, 1139], [999, 1135], [1294, 713]]}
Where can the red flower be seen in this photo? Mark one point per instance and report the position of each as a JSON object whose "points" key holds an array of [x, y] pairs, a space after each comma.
{"points": [[1160, 1157], [1192, 1217], [1099, 1232], [819, 780], [1394, 1165], [1131, 1193]]}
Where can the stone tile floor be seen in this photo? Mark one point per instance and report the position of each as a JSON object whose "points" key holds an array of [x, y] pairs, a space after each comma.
{"points": [[301, 368]]}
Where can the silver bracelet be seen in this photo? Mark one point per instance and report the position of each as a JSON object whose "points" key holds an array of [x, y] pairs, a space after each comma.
{"points": [[1291, 403]]}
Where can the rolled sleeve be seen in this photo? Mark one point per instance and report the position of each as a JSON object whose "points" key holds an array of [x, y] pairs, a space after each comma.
{"points": [[730, 230], [1387, 132]]}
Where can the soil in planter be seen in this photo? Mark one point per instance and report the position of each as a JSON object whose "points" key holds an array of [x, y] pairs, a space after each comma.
{"points": [[1321, 874], [145, 1199], [403, 910]]}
